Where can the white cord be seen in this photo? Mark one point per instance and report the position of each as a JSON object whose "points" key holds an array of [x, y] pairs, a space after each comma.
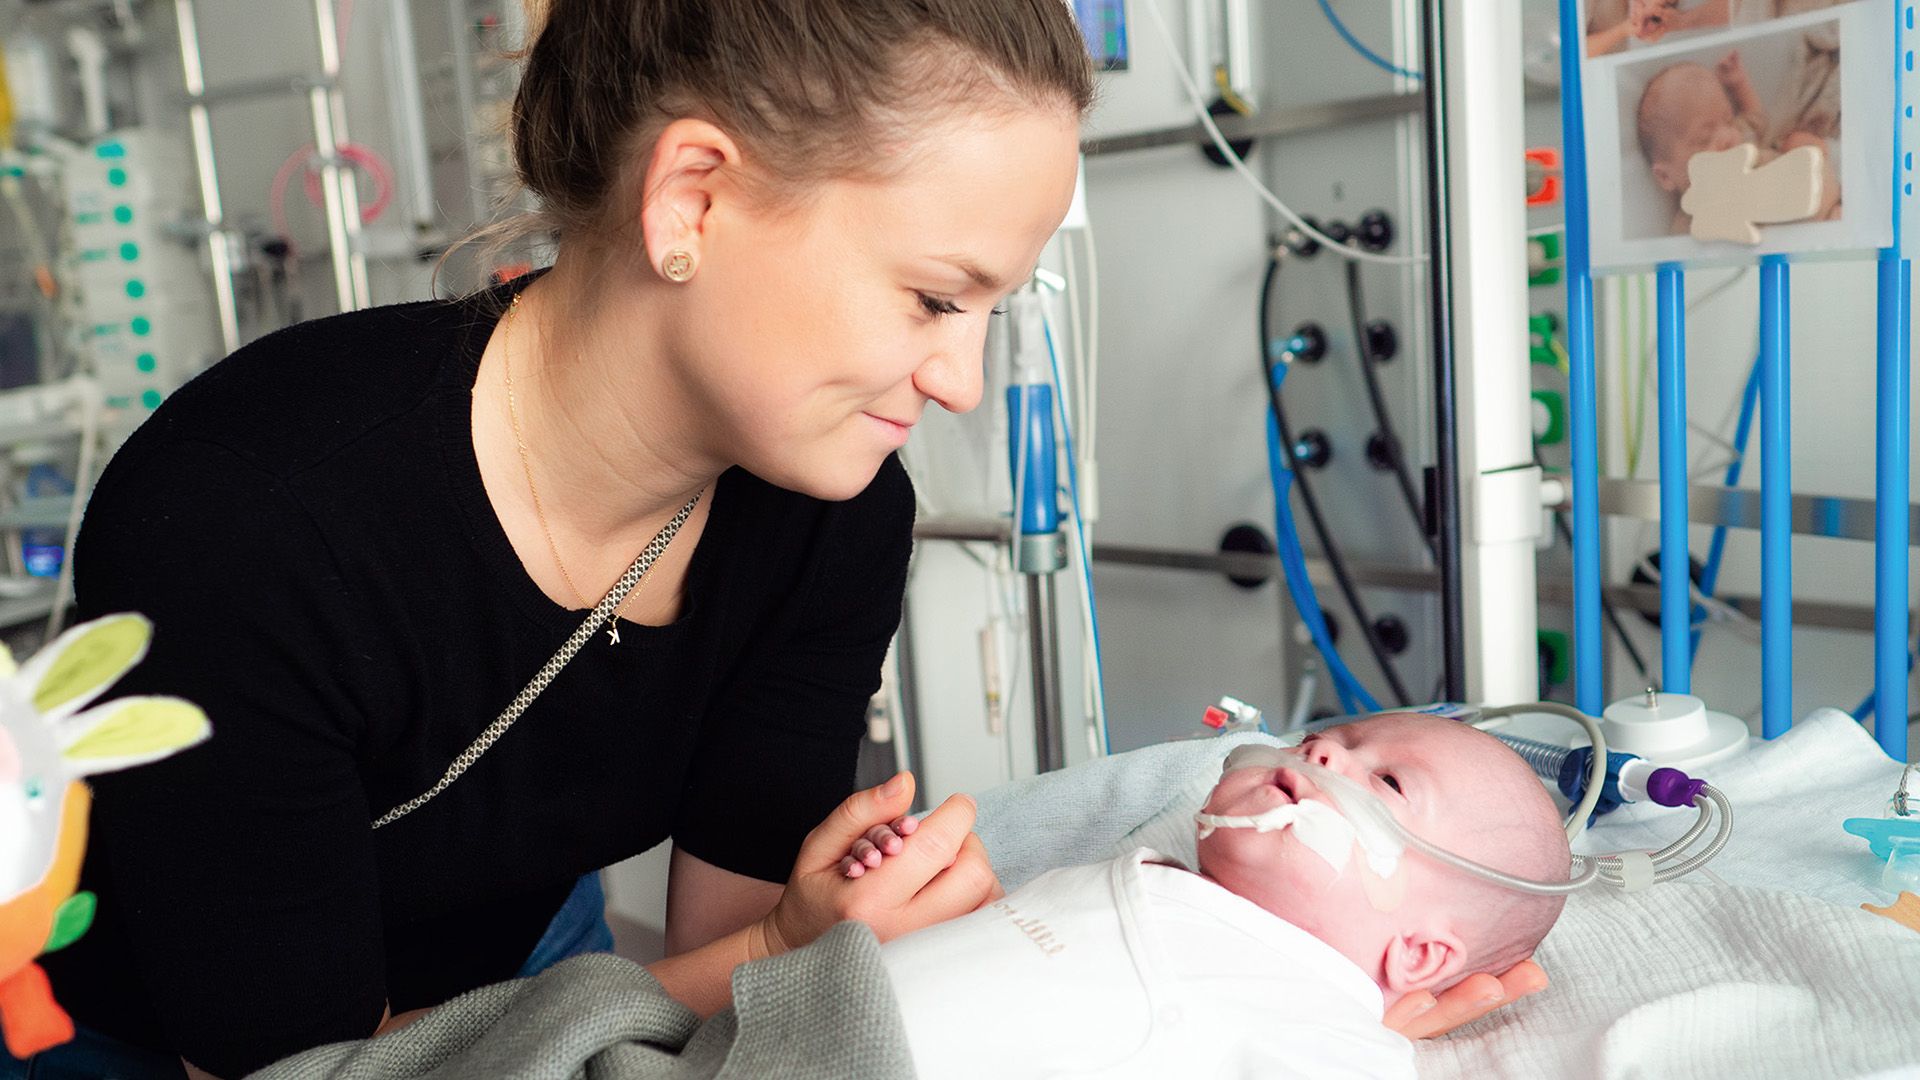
{"points": [[82, 484], [1238, 165], [1090, 393], [1096, 699]]}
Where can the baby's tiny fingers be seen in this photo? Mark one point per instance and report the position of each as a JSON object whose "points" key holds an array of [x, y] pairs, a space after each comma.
{"points": [[851, 867], [905, 825], [865, 851], [884, 838]]}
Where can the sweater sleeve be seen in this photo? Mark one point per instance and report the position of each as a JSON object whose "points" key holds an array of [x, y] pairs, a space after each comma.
{"points": [[241, 872], [779, 750]]}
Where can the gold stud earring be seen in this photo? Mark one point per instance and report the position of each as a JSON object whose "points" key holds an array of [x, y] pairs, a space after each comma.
{"points": [[677, 266]]}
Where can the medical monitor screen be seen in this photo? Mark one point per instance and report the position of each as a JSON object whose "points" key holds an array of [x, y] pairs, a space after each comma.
{"points": [[1104, 24]]}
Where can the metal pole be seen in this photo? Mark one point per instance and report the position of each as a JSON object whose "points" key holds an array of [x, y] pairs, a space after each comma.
{"points": [[1481, 278], [1043, 637], [907, 733], [1440, 286], [219, 255], [1891, 520], [467, 96], [1588, 655], [336, 184], [1676, 565], [410, 114], [1776, 504], [1893, 438]]}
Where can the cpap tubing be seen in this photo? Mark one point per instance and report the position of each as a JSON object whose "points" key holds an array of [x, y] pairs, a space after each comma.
{"points": [[1378, 830]]}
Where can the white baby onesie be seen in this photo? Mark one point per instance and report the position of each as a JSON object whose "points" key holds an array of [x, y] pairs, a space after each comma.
{"points": [[1131, 969]]}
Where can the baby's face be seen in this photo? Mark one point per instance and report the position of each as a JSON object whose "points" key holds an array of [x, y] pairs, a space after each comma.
{"points": [[1441, 779], [1695, 114]]}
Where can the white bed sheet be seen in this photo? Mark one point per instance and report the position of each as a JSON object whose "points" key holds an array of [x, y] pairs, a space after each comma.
{"points": [[1760, 965]]}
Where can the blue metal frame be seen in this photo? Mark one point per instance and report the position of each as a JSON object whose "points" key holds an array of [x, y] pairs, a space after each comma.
{"points": [[1893, 427], [1776, 501], [1893, 436], [1676, 562], [1589, 683]]}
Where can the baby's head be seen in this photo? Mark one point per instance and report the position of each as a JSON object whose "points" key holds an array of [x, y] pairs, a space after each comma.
{"points": [[1685, 109], [1432, 925]]}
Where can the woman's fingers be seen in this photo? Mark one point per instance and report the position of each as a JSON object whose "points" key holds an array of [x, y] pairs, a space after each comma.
{"points": [[860, 811], [962, 887], [1523, 978], [1405, 1012], [1467, 1001]]}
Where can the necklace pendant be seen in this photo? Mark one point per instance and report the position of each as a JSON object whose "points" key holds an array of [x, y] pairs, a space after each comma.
{"points": [[613, 632]]}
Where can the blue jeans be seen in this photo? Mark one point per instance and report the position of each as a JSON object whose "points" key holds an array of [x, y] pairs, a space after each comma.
{"points": [[580, 926]]}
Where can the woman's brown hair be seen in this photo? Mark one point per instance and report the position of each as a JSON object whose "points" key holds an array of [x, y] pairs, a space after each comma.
{"points": [[809, 89]]}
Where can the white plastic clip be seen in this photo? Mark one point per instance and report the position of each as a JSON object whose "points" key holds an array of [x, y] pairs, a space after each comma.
{"points": [[1636, 870]]}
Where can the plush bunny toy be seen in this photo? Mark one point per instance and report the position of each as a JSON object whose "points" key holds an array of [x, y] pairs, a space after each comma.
{"points": [[46, 745]]}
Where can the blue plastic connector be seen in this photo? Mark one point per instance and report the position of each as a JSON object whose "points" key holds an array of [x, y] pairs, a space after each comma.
{"points": [[1572, 780]]}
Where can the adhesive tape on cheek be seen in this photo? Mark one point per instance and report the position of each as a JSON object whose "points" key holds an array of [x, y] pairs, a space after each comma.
{"points": [[1385, 893]]}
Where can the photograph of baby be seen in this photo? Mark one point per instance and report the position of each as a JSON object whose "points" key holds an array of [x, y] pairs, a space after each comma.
{"points": [[1617, 25], [1779, 90], [1779, 85]]}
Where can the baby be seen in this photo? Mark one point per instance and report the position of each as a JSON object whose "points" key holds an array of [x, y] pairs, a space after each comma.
{"points": [[1689, 108], [1271, 956]]}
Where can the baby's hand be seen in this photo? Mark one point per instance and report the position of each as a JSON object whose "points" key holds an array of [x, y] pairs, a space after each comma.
{"points": [[1651, 19], [878, 843], [1732, 72]]}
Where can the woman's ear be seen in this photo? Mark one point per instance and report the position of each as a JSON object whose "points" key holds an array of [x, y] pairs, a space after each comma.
{"points": [[1422, 959], [677, 190]]}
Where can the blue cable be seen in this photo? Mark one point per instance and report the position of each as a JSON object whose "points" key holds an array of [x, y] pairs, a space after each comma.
{"points": [[1293, 564], [1080, 533], [1359, 47]]}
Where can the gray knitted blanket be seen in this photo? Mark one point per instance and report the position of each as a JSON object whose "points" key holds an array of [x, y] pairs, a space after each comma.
{"points": [[824, 1012]]}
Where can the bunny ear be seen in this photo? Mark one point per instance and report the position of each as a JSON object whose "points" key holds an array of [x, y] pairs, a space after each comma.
{"points": [[83, 662], [131, 731]]}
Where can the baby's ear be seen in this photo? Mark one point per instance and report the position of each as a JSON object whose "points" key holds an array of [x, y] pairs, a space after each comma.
{"points": [[1423, 958]]}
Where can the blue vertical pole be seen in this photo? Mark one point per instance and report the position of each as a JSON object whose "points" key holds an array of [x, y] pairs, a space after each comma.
{"points": [[1589, 690], [1676, 607], [1893, 428], [1890, 495], [1776, 505]]}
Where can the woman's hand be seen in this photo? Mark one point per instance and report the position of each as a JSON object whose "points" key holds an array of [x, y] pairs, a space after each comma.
{"points": [[1422, 1016], [879, 842], [944, 873]]}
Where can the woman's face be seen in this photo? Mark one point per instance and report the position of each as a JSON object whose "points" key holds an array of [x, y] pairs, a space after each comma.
{"points": [[816, 334]]}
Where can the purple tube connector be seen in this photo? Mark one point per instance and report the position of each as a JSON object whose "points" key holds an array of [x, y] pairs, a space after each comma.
{"points": [[1671, 787]]}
